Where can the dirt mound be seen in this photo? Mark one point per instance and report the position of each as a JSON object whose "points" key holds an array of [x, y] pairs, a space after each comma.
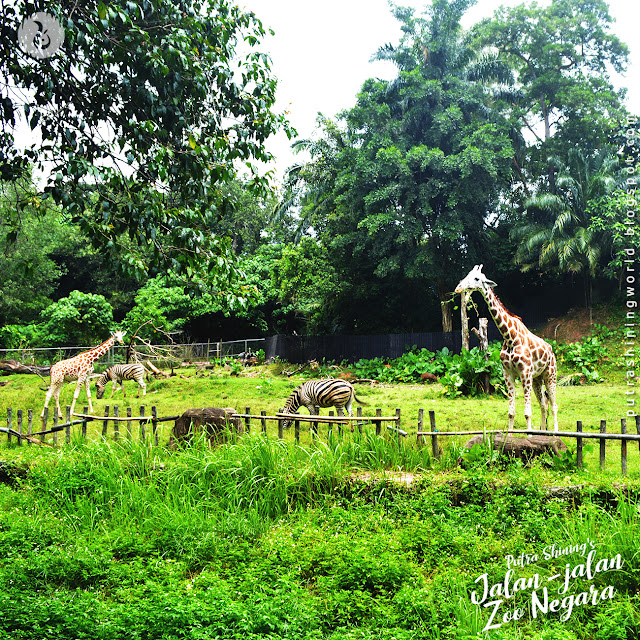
{"points": [[572, 326]]}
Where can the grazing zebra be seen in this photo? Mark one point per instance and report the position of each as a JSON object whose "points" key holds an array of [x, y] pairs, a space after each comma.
{"points": [[321, 393], [118, 373]]}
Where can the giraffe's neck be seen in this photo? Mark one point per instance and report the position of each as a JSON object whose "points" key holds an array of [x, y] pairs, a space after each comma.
{"points": [[500, 315], [99, 351]]}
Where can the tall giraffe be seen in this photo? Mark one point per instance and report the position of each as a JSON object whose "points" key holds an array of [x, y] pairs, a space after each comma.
{"points": [[523, 355], [77, 368]]}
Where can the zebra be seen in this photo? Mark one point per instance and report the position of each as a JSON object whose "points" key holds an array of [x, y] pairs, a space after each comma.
{"points": [[118, 373], [313, 394]]}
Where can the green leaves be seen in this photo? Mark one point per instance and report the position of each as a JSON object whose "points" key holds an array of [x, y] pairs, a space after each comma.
{"points": [[142, 113]]}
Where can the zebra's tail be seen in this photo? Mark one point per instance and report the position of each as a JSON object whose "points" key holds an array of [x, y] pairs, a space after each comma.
{"points": [[355, 397]]}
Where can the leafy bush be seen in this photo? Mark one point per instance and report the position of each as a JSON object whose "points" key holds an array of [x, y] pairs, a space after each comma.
{"points": [[583, 357], [465, 372]]}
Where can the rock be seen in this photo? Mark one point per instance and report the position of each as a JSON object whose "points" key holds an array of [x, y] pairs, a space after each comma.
{"points": [[218, 423], [524, 448]]}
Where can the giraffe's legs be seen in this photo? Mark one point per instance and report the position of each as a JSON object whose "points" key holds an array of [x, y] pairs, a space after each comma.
{"points": [[511, 388], [53, 391], [76, 393], [537, 387], [550, 384], [527, 383]]}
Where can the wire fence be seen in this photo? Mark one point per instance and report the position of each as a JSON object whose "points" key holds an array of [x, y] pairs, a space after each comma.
{"points": [[165, 355]]}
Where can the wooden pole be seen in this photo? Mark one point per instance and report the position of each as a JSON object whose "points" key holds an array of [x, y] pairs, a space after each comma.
{"points": [[359, 415], [263, 422], [67, 429], [154, 424], [116, 424], [19, 425], [638, 428], [623, 447], [435, 449], [85, 421], [464, 321], [579, 460], [129, 433], [55, 424], [105, 423], [143, 423], [398, 424], [419, 437], [9, 424], [377, 422], [296, 430], [603, 444], [247, 421], [29, 425]]}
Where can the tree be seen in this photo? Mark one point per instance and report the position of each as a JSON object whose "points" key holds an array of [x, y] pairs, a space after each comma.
{"points": [[145, 113], [401, 187], [563, 54], [560, 233], [80, 319]]}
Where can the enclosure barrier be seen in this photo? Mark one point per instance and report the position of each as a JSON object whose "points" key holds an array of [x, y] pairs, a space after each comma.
{"points": [[21, 427], [578, 434]]}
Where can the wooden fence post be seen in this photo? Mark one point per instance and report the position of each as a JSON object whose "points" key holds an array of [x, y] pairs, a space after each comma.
{"points": [[603, 444], [398, 425], [154, 424], [435, 449], [19, 425], [29, 424], [419, 438], [9, 423], [143, 425], [129, 423], [67, 429], [105, 423], [280, 429], [623, 447], [638, 428], [247, 420], [579, 445], [45, 419], [116, 423], [296, 430], [359, 415], [378, 423], [55, 424], [85, 422], [263, 423]]}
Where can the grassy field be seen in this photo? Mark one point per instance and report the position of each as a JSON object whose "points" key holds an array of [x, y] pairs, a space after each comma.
{"points": [[263, 539]]}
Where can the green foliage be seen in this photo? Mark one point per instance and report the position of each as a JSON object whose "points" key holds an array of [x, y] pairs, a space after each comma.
{"points": [[465, 372], [583, 356], [184, 97], [79, 319], [261, 539]]}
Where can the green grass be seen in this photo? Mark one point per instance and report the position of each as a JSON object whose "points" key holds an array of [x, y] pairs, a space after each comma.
{"points": [[263, 539]]}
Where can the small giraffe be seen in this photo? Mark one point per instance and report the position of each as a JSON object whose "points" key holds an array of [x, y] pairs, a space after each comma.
{"points": [[77, 368], [523, 354]]}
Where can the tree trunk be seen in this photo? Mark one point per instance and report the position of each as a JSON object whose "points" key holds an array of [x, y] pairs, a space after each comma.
{"points": [[464, 320], [445, 307]]}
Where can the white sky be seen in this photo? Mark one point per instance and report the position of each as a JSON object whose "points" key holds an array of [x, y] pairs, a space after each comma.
{"points": [[321, 50]]}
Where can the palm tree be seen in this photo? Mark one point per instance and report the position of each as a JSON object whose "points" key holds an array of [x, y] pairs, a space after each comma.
{"points": [[558, 234]]}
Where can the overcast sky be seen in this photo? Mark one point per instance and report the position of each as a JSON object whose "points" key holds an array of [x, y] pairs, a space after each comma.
{"points": [[321, 50]]}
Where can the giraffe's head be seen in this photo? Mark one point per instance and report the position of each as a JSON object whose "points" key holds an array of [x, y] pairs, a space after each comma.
{"points": [[118, 336], [475, 281]]}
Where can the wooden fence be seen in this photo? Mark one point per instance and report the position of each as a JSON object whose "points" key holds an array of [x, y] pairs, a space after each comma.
{"points": [[578, 434], [20, 425]]}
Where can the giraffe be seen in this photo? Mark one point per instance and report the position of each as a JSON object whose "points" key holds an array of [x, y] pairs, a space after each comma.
{"points": [[523, 354], [77, 368]]}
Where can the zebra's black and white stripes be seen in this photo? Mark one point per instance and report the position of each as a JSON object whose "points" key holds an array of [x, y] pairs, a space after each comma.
{"points": [[314, 394], [118, 373]]}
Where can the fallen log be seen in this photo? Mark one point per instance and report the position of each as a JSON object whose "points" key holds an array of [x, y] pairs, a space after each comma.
{"points": [[13, 366]]}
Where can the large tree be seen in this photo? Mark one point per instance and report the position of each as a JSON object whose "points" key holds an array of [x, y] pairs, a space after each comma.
{"points": [[146, 111], [400, 188], [563, 55]]}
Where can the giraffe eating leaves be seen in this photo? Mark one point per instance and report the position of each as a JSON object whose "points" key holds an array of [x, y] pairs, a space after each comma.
{"points": [[77, 368], [524, 355]]}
